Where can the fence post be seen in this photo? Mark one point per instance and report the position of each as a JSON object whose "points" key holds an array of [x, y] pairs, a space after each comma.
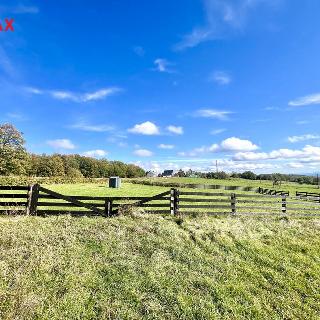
{"points": [[284, 204], [32, 202], [172, 201], [233, 203], [176, 202], [108, 207]]}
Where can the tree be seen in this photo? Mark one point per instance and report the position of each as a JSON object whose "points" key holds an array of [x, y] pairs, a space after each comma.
{"points": [[248, 175], [13, 156]]}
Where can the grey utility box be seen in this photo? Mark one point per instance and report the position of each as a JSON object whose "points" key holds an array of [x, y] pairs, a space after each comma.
{"points": [[114, 182]]}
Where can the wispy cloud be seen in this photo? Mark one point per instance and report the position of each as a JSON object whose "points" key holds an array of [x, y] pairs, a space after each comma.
{"points": [[175, 129], [6, 65], [139, 51], [95, 153], [217, 131], [16, 116], [304, 137], [163, 65], [166, 146], [91, 127], [61, 144], [213, 113], [222, 18], [145, 128], [143, 153], [306, 100], [74, 96], [308, 153], [19, 9], [221, 77]]}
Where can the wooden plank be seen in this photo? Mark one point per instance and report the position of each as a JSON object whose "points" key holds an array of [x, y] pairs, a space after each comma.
{"points": [[13, 195], [205, 194], [158, 211], [301, 209], [13, 187], [203, 200], [73, 213], [258, 202], [69, 199], [65, 204], [12, 203], [277, 208]]}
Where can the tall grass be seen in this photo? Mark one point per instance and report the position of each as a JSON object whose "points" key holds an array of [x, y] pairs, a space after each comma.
{"points": [[159, 268]]}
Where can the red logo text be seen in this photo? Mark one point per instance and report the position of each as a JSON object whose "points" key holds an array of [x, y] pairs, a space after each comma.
{"points": [[7, 26]]}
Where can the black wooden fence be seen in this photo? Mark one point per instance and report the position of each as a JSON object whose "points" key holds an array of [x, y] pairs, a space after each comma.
{"points": [[37, 200], [308, 196]]}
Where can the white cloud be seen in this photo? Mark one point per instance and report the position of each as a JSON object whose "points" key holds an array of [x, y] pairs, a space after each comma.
{"points": [[94, 128], [295, 165], [303, 137], [61, 144], [232, 144], [221, 77], [143, 153], [217, 131], [163, 65], [309, 153], [175, 129], [74, 96], [95, 153], [166, 146], [236, 144], [213, 113], [146, 128], [305, 101]]}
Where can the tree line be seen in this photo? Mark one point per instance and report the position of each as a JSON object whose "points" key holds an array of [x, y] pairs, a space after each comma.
{"points": [[15, 160], [277, 178]]}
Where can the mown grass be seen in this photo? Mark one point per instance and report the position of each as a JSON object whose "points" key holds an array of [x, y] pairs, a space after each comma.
{"points": [[292, 187], [148, 267]]}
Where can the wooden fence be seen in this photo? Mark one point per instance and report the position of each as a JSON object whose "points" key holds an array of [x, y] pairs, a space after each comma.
{"points": [[37, 200], [308, 196], [272, 192]]}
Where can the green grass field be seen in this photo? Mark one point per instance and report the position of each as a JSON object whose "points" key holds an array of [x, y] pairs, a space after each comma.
{"points": [[286, 186], [159, 268]]}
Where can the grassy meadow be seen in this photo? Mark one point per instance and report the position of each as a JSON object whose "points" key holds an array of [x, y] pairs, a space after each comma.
{"points": [[131, 189], [146, 267], [139, 266]]}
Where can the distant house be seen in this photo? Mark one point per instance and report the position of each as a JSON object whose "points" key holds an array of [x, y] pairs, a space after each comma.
{"points": [[151, 174], [167, 173]]}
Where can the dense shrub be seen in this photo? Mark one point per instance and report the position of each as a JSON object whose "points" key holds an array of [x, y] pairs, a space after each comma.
{"points": [[25, 180]]}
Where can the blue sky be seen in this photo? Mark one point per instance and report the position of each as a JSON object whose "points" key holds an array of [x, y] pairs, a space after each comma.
{"points": [[166, 84]]}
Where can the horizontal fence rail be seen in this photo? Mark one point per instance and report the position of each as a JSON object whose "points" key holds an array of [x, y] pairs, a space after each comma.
{"points": [[37, 200], [308, 196]]}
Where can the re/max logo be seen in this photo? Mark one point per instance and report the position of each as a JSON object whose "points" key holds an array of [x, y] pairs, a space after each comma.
{"points": [[8, 26]]}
